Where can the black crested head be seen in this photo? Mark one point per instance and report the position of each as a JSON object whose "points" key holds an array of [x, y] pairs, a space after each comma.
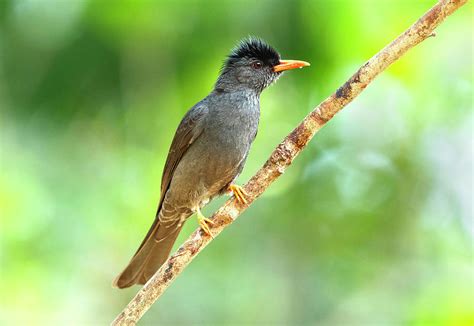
{"points": [[250, 65], [253, 65], [253, 48]]}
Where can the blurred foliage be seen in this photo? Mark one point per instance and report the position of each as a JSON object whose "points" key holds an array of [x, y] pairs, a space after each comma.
{"points": [[371, 225]]}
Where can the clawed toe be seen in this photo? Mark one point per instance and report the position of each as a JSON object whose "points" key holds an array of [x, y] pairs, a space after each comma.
{"points": [[204, 223], [239, 193]]}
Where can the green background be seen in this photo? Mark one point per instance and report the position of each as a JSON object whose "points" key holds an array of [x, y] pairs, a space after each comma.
{"points": [[371, 225]]}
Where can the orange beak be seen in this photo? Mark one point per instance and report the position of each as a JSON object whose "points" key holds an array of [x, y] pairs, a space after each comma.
{"points": [[290, 64]]}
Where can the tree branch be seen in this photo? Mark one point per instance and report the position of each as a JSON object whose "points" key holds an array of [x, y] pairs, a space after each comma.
{"points": [[284, 155]]}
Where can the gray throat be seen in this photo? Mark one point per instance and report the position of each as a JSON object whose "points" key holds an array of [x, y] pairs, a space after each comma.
{"points": [[228, 83]]}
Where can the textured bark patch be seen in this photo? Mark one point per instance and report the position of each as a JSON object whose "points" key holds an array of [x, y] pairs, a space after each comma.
{"points": [[344, 91]]}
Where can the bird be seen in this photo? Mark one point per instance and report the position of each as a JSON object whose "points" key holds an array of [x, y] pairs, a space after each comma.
{"points": [[208, 152]]}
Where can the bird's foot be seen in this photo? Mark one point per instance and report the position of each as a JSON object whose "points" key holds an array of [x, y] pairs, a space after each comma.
{"points": [[239, 193], [204, 222]]}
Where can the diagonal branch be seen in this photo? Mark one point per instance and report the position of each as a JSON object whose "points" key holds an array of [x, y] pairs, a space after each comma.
{"points": [[284, 155]]}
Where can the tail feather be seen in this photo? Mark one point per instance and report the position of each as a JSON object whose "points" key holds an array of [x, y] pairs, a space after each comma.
{"points": [[151, 254]]}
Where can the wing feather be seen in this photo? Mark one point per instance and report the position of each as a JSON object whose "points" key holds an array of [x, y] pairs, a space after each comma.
{"points": [[149, 257], [188, 131]]}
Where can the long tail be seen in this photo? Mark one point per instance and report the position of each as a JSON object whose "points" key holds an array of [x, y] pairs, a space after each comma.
{"points": [[152, 253]]}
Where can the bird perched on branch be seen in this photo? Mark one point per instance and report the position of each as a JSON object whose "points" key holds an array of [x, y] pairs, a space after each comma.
{"points": [[208, 152]]}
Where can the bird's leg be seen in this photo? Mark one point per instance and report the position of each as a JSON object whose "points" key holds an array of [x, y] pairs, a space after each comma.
{"points": [[203, 222], [239, 193]]}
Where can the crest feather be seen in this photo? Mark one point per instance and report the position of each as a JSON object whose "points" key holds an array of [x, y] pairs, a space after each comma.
{"points": [[253, 48]]}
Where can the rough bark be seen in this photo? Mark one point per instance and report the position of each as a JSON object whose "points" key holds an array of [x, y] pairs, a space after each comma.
{"points": [[284, 155]]}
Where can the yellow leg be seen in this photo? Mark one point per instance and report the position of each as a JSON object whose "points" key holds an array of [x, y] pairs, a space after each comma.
{"points": [[204, 222], [239, 193]]}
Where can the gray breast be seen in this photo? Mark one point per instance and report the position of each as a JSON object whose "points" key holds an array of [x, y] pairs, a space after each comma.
{"points": [[233, 123], [217, 155]]}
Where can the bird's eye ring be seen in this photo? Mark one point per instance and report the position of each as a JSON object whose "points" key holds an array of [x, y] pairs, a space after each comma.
{"points": [[257, 65]]}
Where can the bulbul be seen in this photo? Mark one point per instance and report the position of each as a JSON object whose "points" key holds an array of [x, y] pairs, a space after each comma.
{"points": [[208, 152]]}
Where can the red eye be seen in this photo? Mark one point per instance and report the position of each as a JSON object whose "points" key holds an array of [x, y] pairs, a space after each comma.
{"points": [[257, 65]]}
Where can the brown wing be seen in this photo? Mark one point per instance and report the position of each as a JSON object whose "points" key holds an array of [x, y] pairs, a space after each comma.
{"points": [[188, 131], [158, 242]]}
